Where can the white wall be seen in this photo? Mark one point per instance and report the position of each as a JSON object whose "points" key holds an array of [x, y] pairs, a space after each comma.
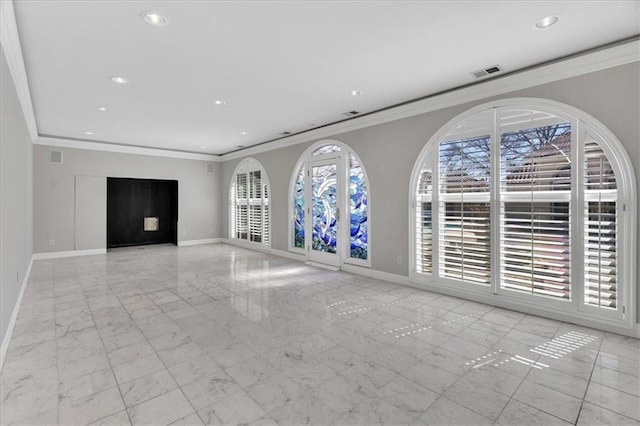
{"points": [[55, 194], [389, 151], [90, 212], [16, 201]]}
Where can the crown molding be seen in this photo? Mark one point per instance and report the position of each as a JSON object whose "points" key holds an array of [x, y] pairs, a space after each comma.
{"points": [[13, 50], [123, 149], [592, 61], [597, 59]]}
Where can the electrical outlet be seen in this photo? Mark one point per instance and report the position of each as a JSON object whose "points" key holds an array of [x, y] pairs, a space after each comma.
{"points": [[52, 242], [399, 260]]}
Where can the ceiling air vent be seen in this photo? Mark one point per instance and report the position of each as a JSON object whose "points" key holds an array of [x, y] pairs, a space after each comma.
{"points": [[55, 157], [209, 168], [351, 113], [491, 70]]}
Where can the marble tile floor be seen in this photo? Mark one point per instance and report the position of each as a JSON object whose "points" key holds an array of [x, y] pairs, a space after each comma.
{"points": [[221, 335]]}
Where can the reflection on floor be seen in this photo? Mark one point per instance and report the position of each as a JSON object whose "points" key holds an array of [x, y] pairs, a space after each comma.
{"points": [[221, 335]]}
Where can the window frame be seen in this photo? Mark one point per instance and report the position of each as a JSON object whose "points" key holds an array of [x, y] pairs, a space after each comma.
{"points": [[246, 167], [343, 161], [579, 311]]}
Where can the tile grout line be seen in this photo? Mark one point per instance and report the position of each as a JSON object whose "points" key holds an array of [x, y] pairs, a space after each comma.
{"points": [[539, 409], [154, 352], [522, 379], [106, 353], [357, 325], [586, 390], [55, 324], [171, 375], [147, 340]]}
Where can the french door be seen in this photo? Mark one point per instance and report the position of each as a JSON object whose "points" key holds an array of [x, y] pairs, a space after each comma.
{"points": [[323, 212]]}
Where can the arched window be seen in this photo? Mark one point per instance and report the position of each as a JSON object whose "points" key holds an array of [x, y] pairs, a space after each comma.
{"points": [[329, 181], [249, 203], [532, 202]]}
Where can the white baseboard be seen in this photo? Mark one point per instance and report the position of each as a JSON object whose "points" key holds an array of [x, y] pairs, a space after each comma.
{"points": [[199, 242], [527, 307], [347, 267], [257, 247], [404, 280], [289, 255], [374, 273], [322, 265], [276, 252], [68, 253], [354, 269], [73, 253], [14, 316], [247, 245]]}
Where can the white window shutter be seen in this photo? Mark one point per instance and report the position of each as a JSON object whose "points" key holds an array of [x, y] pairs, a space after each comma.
{"points": [[600, 233]]}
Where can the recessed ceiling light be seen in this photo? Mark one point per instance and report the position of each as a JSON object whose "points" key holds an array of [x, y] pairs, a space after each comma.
{"points": [[103, 109], [119, 80], [88, 133], [546, 22], [244, 133], [219, 102], [154, 18], [355, 92], [203, 147]]}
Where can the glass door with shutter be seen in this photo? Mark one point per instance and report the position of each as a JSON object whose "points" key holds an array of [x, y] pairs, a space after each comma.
{"points": [[256, 210], [602, 293], [323, 212], [535, 204]]}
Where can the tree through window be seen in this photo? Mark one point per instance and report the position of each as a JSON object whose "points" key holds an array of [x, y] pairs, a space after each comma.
{"points": [[509, 198]]}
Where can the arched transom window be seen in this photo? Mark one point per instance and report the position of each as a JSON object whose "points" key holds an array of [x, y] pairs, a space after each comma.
{"points": [[329, 205], [249, 203], [530, 201]]}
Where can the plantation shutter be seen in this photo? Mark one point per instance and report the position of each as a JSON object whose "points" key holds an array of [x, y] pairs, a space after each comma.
{"points": [[424, 222], [233, 204], [536, 249], [510, 197], [465, 236], [255, 206], [535, 205], [242, 213], [265, 214], [600, 233]]}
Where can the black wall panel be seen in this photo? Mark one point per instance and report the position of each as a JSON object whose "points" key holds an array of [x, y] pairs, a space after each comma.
{"points": [[129, 201]]}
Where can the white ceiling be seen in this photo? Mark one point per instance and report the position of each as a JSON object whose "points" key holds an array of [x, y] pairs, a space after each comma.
{"points": [[278, 65]]}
